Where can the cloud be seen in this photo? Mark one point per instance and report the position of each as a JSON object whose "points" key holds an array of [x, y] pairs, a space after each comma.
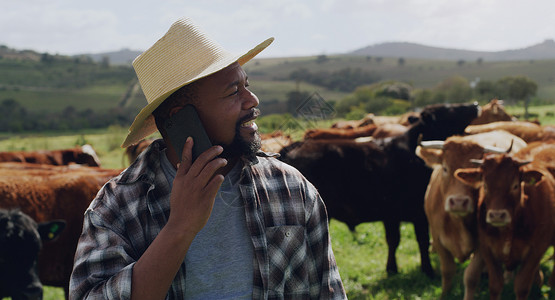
{"points": [[325, 26]]}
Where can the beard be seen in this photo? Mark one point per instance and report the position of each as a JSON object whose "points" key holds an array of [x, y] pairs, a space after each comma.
{"points": [[240, 146]]}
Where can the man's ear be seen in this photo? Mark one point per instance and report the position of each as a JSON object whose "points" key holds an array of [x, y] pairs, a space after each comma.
{"points": [[531, 177], [48, 231], [470, 176]]}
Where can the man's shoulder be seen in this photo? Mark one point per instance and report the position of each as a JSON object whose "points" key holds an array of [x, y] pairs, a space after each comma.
{"points": [[127, 189], [273, 164]]}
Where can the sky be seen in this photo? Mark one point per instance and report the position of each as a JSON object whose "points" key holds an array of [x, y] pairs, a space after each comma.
{"points": [[301, 28]]}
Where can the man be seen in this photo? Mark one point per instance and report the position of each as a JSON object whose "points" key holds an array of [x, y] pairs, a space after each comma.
{"points": [[234, 224]]}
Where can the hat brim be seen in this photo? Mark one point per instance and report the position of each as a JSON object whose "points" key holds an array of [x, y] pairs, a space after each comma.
{"points": [[144, 124]]}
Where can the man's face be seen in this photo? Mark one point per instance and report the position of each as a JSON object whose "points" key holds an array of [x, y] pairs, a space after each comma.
{"points": [[227, 110]]}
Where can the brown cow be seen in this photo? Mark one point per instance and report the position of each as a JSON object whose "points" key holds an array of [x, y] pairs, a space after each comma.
{"points": [[493, 112], [450, 205], [275, 141], [339, 133], [515, 217], [389, 130], [528, 131], [53, 192], [133, 151], [78, 155]]}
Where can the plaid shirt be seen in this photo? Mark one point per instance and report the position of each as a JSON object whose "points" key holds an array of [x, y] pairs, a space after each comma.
{"points": [[285, 216]]}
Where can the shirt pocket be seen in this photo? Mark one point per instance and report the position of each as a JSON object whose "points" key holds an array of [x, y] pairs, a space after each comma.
{"points": [[288, 258]]}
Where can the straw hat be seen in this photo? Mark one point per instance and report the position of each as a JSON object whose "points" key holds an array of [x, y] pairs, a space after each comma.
{"points": [[184, 54]]}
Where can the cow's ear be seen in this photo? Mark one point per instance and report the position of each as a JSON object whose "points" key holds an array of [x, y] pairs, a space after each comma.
{"points": [[48, 231], [531, 177], [470, 176], [431, 157]]}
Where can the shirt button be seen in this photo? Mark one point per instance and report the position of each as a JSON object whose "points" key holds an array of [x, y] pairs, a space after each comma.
{"points": [[288, 233]]}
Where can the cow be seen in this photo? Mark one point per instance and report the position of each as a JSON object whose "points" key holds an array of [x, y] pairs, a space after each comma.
{"points": [[382, 179], [273, 142], [389, 130], [339, 133], [528, 131], [20, 242], [53, 192], [133, 151], [450, 206], [515, 216], [78, 155], [493, 112]]}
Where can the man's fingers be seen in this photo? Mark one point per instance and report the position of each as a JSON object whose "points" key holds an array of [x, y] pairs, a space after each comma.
{"points": [[211, 168], [204, 158], [186, 157]]}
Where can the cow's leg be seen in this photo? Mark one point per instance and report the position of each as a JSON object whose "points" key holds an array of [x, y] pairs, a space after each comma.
{"points": [[393, 237], [423, 238], [495, 274], [472, 275], [527, 275], [447, 266]]}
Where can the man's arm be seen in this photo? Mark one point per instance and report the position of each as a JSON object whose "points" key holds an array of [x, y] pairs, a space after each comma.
{"points": [[105, 266], [317, 228], [191, 201]]}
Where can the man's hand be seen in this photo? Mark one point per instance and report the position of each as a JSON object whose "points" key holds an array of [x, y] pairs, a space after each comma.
{"points": [[194, 189]]}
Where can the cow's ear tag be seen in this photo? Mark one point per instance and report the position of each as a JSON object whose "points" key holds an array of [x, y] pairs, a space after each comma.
{"points": [[50, 230]]}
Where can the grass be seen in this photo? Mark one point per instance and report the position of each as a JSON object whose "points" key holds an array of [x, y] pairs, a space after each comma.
{"points": [[361, 255], [361, 258]]}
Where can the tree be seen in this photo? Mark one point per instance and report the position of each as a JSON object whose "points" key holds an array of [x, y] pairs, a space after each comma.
{"points": [[485, 90], [321, 59], [454, 89], [519, 88], [516, 88]]}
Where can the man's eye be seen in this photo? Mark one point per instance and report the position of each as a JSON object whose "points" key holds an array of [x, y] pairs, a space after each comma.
{"points": [[234, 93]]}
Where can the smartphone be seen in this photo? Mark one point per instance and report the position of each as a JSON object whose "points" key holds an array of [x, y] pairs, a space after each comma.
{"points": [[183, 124]]}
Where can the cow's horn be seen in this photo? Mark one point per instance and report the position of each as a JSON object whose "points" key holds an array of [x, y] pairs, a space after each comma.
{"points": [[432, 144], [511, 146], [523, 163], [477, 161], [492, 149]]}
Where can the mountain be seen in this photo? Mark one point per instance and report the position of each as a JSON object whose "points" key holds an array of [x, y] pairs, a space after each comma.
{"points": [[545, 50], [121, 57]]}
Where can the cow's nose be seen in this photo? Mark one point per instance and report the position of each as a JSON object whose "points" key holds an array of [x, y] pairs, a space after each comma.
{"points": [[498, 217], [459, 204]]}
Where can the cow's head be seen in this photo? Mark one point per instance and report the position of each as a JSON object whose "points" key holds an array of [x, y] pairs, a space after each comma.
{"points": [[20, 241], [501, 179], [493, 112], [449, 156], [443, 120], [88, 156]]}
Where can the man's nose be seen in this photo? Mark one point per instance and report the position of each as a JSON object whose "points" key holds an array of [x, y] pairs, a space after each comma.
{"points": [[250, 100]]}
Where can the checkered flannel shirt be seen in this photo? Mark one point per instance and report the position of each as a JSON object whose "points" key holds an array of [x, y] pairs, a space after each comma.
{"points": [[285, 216]]}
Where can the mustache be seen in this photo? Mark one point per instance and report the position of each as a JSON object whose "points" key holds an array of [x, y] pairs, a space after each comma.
{"points": [[255, 112]]}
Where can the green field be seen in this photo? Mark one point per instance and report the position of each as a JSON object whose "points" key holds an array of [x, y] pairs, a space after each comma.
{"points": [[52, 86], [361, 255]]}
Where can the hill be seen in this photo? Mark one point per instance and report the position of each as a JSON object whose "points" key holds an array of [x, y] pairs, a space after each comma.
{"points": [[545, 50], [57, 88], [121, 57]]}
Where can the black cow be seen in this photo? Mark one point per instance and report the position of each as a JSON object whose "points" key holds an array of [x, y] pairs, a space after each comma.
{"points": [[380, 180], [20, 241]]}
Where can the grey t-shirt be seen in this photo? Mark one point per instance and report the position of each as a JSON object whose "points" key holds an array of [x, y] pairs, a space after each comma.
{"points": [[219, 263]]}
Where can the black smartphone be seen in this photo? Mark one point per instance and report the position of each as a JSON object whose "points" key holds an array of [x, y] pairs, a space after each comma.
{"points": [[183, 124]]}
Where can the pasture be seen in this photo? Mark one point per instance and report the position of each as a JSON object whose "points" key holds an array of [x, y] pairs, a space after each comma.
{"points": [[361, 255]]}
